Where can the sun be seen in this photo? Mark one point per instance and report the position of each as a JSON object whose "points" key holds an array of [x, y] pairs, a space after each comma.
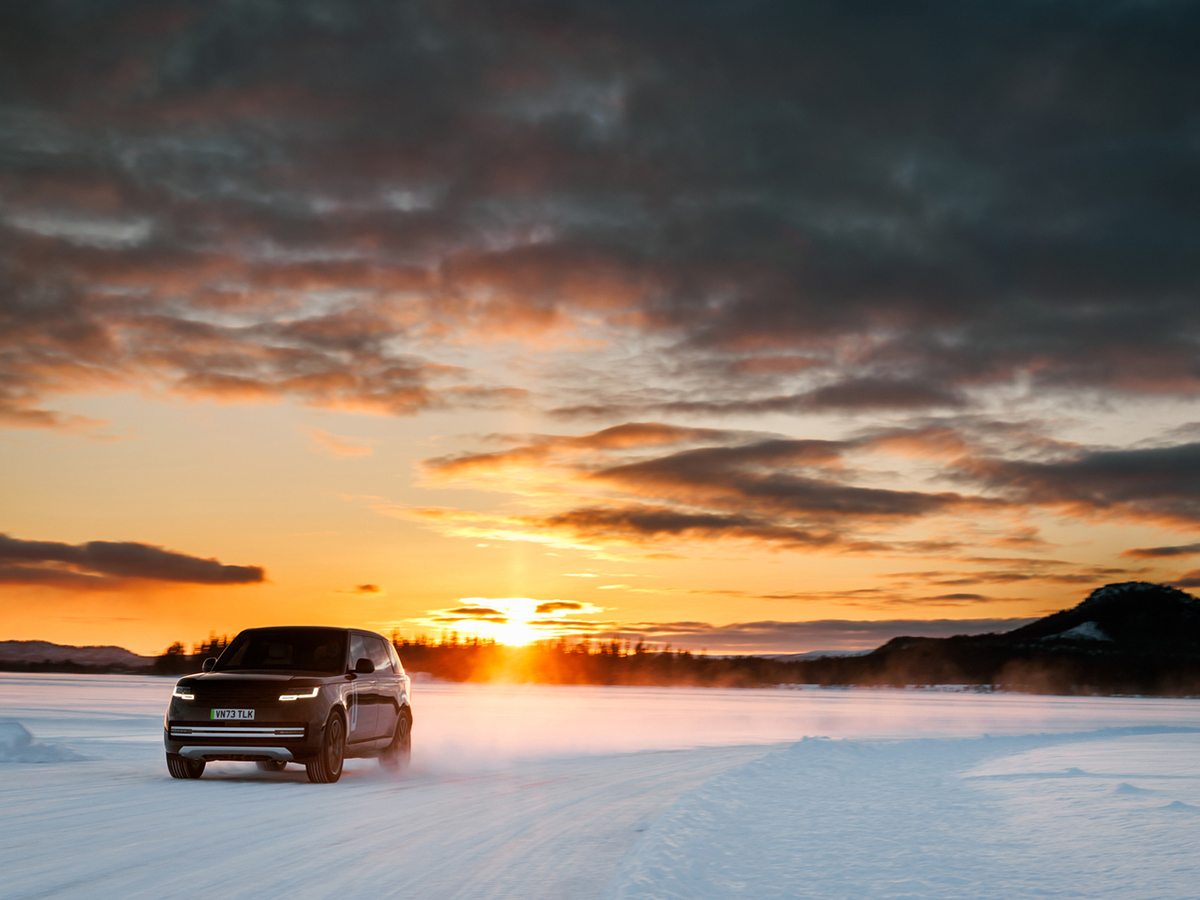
{"points": [[515, 621]]}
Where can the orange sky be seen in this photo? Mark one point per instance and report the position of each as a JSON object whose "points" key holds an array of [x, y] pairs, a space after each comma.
{"points": [[397, 523]]}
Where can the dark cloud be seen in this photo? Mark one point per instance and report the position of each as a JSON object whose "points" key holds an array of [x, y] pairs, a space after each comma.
{"points": [[820, 205], [554, 606], [473, 611], [1159, 484], [764, 475], [367, 588], [988, 570], [1188, 580], [855, 395], [645, 523], [1162, 552], [878, 393], [537, 449], [467, 614], [105, 564]]}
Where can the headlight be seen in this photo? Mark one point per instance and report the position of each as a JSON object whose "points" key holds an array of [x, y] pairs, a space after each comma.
{"points": [[300, 694], [184, 692]]}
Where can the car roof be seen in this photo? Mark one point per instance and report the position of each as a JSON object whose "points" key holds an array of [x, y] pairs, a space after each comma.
{"points": [[315, 628]]}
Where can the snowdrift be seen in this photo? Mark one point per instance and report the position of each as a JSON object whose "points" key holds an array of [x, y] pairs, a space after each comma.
{"points": [[18, 746]]}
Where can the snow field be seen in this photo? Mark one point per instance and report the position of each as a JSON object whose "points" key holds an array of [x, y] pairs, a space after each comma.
{"points": [[1103, 815], [560, 792]]}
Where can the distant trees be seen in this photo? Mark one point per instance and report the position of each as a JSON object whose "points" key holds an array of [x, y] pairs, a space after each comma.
{"points": [[586, 662], [175, 660]]}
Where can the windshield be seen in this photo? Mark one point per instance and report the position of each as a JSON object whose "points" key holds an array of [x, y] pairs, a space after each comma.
{"points": [[287, 650]]}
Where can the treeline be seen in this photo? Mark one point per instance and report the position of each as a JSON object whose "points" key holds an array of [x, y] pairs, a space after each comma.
{"points": [[588, 662], [985, 662], [175, 660], [549, 662]]}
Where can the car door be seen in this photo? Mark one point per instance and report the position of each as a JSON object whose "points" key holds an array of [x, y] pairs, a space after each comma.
{"points": [[385, 687], [362, 704]]}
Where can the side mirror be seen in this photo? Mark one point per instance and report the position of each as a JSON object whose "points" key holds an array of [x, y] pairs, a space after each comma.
{"points": [[364, 667], [209, 663]]}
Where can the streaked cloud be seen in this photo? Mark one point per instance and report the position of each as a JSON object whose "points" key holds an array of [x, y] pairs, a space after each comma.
{"points": [[108, 565], [1155, 484], [1162, 552]]}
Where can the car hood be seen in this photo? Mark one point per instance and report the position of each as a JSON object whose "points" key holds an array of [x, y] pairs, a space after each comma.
{"points": [[253, 677]]}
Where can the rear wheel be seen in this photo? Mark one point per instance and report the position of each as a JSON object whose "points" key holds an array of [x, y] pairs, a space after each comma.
{"points": [[326, 766], [180, 767], [271, 765], [399, 751]]}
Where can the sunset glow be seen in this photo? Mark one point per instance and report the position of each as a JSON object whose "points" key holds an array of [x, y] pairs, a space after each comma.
{"points": [[366, 316], [511, 620]]}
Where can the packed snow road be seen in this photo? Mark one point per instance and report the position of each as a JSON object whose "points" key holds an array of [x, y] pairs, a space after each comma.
{"points": [[619, 793]]}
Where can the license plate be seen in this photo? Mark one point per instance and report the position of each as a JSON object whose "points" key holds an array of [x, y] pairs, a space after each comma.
{"points": [[237, 714]]}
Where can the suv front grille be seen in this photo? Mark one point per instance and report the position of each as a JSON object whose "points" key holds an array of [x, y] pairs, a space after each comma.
{"points": [[227, 695]]}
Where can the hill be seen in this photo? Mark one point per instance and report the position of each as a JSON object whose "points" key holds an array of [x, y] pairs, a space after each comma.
{"points": [[44, 652], [1129, 638]]}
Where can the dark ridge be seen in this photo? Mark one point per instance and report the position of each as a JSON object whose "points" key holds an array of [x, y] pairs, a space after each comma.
{"points": [[1128, 638], [1132, 615]]}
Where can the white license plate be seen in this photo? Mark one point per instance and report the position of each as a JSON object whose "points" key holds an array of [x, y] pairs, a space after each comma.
{"points": [[237, 714]]}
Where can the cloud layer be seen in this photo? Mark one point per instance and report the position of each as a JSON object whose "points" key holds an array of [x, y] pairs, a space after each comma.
{"points": [[800, 206]]}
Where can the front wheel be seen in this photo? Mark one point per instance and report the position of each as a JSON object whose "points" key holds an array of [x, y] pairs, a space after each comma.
{"points": [[399, 751], [180, 767], [326, 766]]}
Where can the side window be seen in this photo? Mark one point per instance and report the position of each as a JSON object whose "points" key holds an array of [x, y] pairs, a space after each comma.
{"points": [[357, 649], [396, 659], [379, 655]]}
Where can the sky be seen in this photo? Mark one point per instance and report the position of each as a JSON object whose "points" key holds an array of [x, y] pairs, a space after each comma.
{"points": [[736, 326]]}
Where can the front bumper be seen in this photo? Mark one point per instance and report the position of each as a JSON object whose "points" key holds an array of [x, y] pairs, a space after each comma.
{"points": [[200, 740], [242, 753]]}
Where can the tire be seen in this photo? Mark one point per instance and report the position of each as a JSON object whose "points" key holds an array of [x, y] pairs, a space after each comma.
{"points": [[270, 765], [399, 751], [326, 766], [179, 767]]}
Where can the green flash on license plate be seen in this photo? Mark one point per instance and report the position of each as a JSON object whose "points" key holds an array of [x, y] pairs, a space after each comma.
{"points": [[235, 714]]}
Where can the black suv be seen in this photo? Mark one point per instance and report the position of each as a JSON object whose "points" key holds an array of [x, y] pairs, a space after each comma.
{"points": [[314, 696]]}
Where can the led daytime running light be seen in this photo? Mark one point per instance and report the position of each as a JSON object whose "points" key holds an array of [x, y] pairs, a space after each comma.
{"points": [[184, 692], [302, 694]]}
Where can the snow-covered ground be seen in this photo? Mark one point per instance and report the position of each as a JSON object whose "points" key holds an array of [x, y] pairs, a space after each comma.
{"points": [[558, 792]]}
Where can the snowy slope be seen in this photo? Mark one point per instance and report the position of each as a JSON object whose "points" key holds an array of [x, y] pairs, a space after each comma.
{"points": [[536, 792]]}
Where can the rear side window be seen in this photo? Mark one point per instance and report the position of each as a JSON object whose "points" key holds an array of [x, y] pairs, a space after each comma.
{"points": [[357, 650], [380, 655], [395, 658]]}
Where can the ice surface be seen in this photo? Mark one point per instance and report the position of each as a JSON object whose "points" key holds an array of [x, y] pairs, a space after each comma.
{"points": [[560, 792]]}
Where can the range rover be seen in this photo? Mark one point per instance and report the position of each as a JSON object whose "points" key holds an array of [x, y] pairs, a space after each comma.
{"points": [[314, 696]]}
